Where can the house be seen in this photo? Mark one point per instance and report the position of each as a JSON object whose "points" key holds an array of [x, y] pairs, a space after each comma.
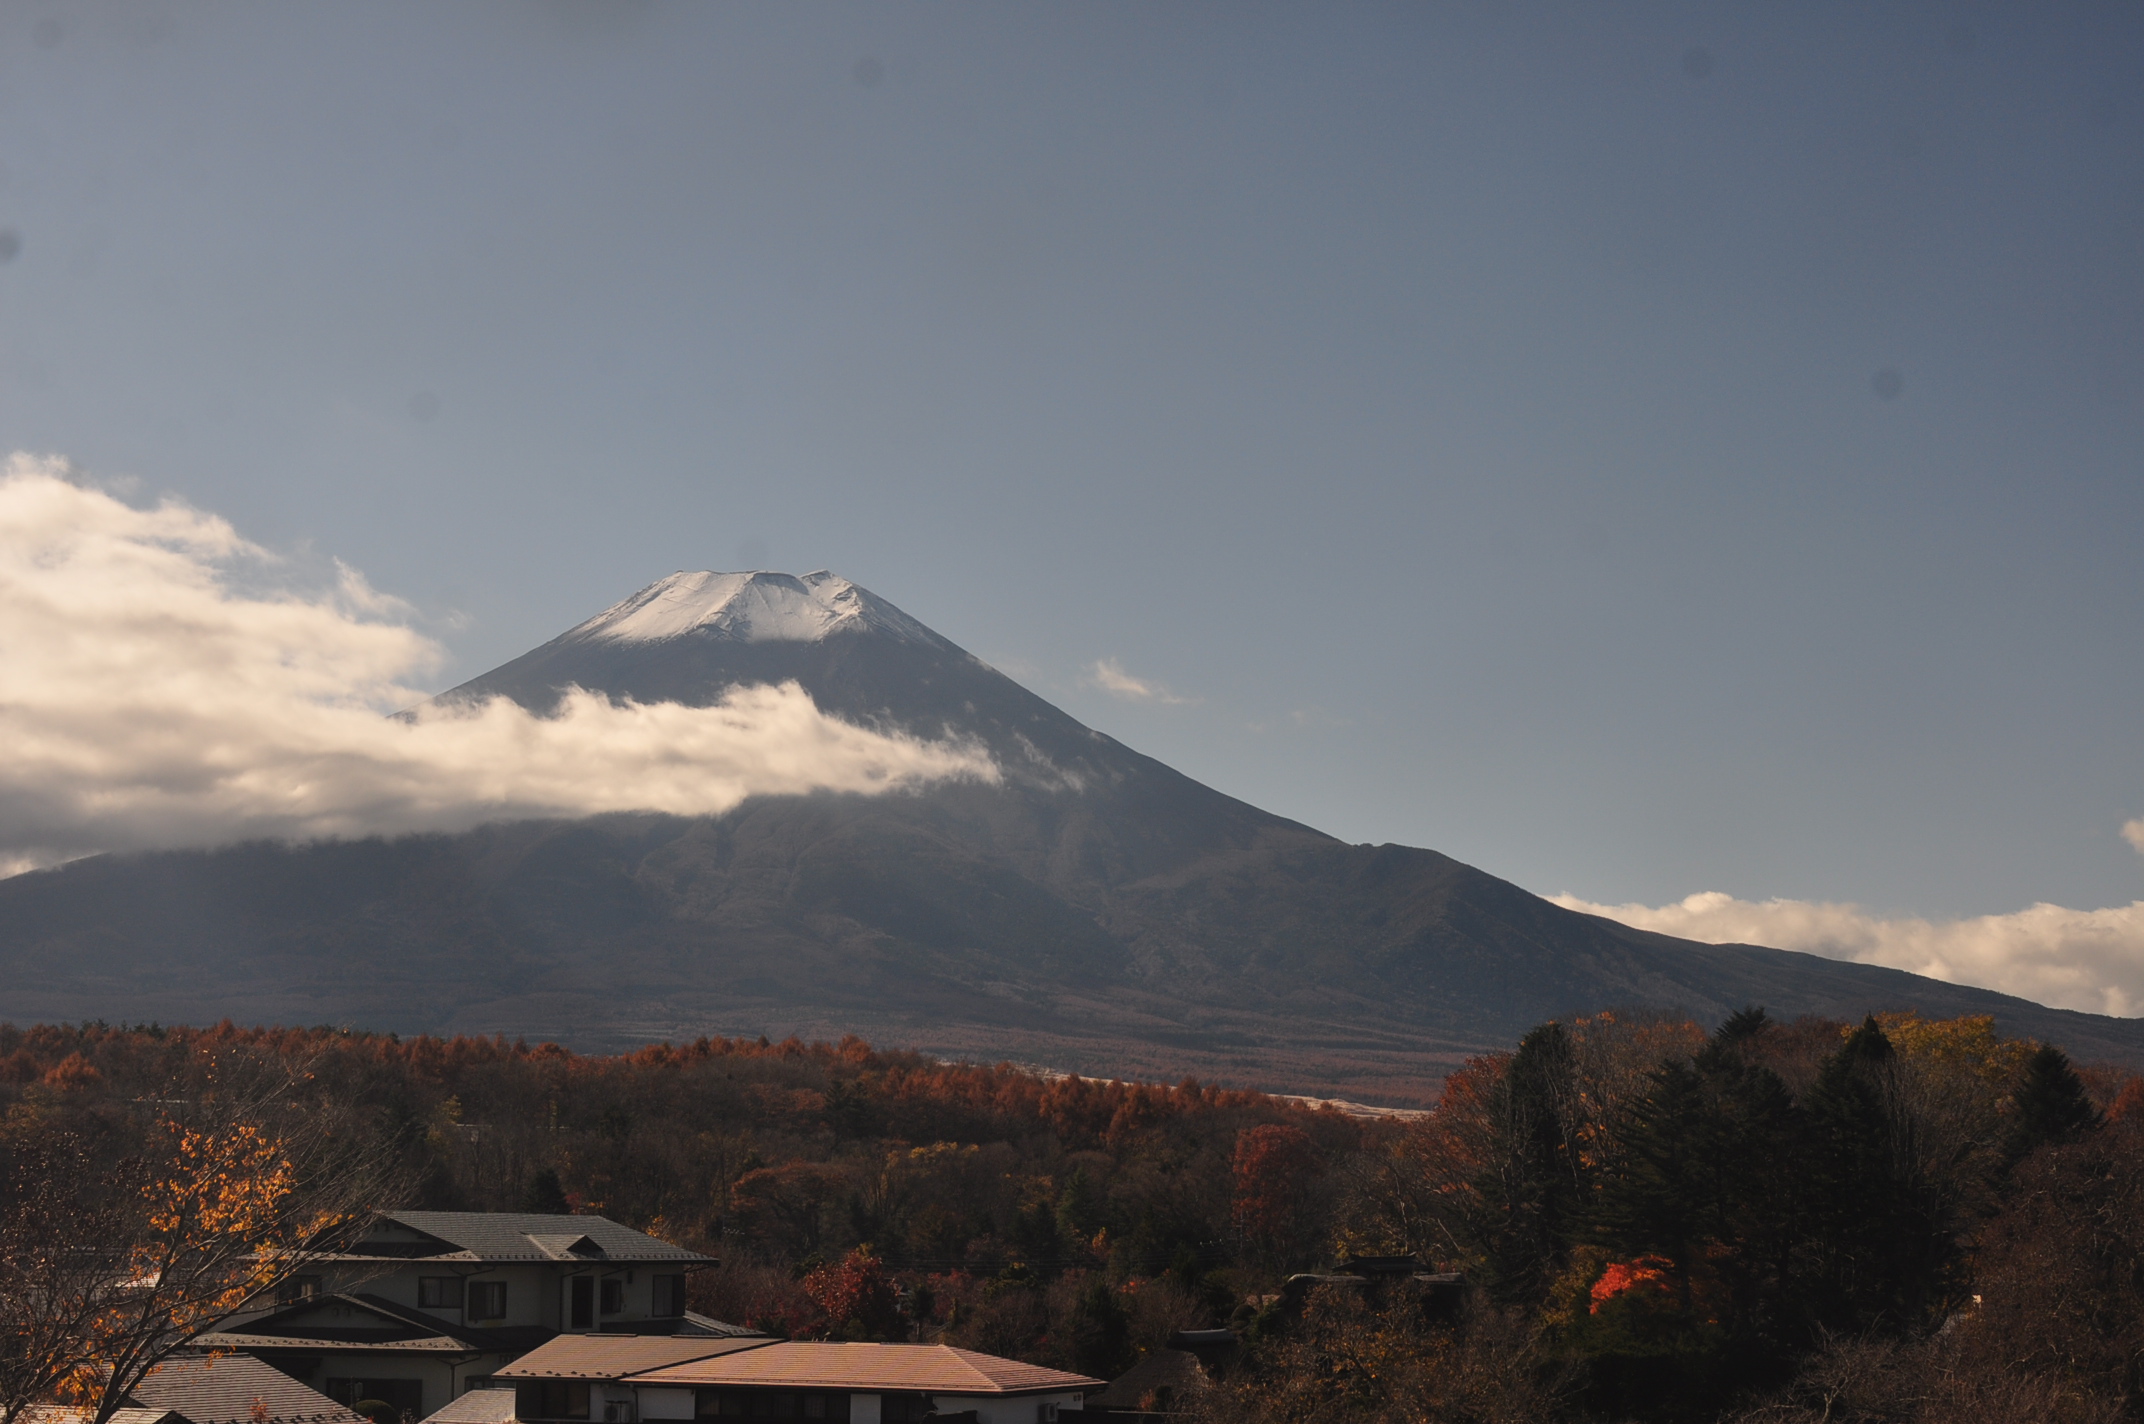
{"points": [[425, 1305], [356, 1347], [837, 1383]]}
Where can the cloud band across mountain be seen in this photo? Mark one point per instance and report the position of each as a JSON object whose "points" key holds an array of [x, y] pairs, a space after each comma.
{"points": [[158, 688], [2091, 960]]}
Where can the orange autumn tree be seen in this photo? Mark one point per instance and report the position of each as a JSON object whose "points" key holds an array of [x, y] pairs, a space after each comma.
{"points": [[215, 1209]]}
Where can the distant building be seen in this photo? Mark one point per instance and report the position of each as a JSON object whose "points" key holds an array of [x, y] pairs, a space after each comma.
{"points": [[615, 1381], [1169, 1380], [427, 1304]]}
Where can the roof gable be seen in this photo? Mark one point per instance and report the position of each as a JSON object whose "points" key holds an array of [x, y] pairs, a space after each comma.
{"points": [[568, 1248]]}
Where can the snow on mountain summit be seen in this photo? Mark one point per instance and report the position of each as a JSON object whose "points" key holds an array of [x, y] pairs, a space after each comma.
{"points": [[754, 607]]}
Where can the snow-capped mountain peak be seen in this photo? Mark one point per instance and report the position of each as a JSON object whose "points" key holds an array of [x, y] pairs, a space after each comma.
{"points": [[756, 607]]}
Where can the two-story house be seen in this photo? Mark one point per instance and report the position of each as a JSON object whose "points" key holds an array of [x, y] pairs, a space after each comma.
{"points": [[426, 1304]]}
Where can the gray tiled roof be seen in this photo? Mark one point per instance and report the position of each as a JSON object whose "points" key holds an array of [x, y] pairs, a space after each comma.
{"points": [[74, 1414], [379, 1324], [531, 1236], [232, 1389]]}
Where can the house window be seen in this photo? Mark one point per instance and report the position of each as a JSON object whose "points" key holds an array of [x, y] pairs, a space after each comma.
{"points": [[552, 1399], [439, 1292], [404, 1395], [581, 1310], [614, 1297], [297, 1288], [669, 1296], [487, 1300], [773, 1405]]}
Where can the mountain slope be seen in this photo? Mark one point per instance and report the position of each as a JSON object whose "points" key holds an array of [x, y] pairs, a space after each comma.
{"points": [[1097, 911]]}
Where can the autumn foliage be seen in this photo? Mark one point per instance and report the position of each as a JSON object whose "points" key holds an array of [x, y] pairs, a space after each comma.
{"points": [[1901, 1219]]}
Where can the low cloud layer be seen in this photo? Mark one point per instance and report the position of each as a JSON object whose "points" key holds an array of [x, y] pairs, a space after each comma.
{"points": [[2070, 959], [1110, 676], [159, 687]]}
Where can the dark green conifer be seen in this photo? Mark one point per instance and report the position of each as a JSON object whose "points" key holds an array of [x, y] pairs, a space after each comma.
{"points": [[2050, 1105], [546, 1194], [1530, 1190], [1081, 1212], [1879, 1243]]}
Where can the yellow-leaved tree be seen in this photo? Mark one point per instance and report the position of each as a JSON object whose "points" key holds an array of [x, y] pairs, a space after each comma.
{"points": [[112, 1261]]}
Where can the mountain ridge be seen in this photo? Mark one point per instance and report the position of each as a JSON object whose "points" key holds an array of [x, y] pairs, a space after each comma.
{"points": [[1095, 910]]}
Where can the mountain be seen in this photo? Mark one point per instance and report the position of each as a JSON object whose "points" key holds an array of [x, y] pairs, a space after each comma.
{"points": [[1094, 911]]}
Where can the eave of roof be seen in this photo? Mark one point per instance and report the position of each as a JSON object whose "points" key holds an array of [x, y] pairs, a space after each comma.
{"points": [[219, 1340], [617, 1357], [833, 1365], [437, 1335]]}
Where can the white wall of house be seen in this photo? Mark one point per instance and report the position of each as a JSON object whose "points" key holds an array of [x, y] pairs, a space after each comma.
{"points": [[668, 1403], [658, 1403], [538, 1293], [1001, 1409], [441, 1379]]}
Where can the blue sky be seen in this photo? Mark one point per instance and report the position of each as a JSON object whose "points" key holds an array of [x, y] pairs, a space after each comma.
{"points": [[1638, 450]]}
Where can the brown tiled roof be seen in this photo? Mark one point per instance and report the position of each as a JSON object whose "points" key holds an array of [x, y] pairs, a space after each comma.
{"points": [[806, 1364], [224, 1389], [478, 1406], [611, 1357]]}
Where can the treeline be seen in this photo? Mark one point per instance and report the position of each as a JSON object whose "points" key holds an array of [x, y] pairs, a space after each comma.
{"points": [[1899, 1220], [848, 1191]]}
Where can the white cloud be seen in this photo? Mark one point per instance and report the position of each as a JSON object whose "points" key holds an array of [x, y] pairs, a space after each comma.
{"points": [[2133, 832], [1110, 676], [158, 688], [2071, 959]]}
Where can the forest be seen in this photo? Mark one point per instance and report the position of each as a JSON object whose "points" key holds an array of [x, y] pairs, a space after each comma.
{"points": [[1901, 1219]]}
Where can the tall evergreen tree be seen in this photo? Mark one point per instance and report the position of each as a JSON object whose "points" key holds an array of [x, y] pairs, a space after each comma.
{"points": [[1879, 1245], [1704, 1177], [1530, 1189], [2050, 1105]]}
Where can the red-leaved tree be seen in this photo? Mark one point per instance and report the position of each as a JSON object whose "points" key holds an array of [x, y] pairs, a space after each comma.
{"points": [[1276, 1170], [856, 1295]]}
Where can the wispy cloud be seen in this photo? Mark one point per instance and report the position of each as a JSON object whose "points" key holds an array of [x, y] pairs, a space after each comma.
{"points": [[160, 688], [2072, 959], [1109, 675]]}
